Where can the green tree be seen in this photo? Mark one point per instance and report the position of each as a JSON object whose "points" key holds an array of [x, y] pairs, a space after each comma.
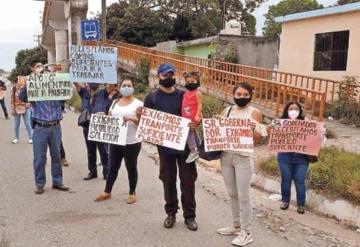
{"points": [[342, 2], [24, 57], [137, 23], [286, 7], [181, 29], [146, 22], [250, 22]]}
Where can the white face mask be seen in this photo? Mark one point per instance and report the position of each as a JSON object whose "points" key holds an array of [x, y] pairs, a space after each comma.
{"points": [[294, 114], [126, 91]]}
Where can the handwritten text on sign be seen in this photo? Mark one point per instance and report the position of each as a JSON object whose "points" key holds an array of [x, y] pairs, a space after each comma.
{"points": [[163, 129], [296, 136], [233, 134], [107, 129], [52, 86], [94, 64]]}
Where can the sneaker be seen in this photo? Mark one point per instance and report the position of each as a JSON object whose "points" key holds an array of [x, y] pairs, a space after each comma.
{"points": [[39, 190], [301, 209], [30, 141], [243, 239], [229, 230], [192, 157], [15, 141], [284, 205]]}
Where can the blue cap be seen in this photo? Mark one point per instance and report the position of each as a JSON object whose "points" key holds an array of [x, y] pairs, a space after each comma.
{"points": [[166, 68]]}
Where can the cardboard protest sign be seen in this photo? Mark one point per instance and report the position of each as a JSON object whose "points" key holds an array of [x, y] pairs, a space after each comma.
{"points": [[51, 86], [93, 64], [231, 134], [297, 136], [107, 129], [163, 129]]}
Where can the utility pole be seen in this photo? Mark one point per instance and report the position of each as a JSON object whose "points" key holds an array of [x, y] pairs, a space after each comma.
{"points": [[103, 21], [37, 39]]}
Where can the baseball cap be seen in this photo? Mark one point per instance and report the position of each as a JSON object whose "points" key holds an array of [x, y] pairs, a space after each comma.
{"points": [[166, 68]]}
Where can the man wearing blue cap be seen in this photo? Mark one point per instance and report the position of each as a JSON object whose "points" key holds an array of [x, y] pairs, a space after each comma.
{"points": [[167, 98]]}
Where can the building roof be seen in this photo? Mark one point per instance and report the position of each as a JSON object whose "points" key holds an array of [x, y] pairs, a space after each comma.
{"points": [[319, 12]]}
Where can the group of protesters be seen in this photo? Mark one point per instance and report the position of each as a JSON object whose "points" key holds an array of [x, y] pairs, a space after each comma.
{"points": [[43, 123]]}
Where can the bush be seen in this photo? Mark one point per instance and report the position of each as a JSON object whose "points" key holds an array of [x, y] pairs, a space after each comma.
{"points": [[347, 107], [212, 106], [337, 174]]}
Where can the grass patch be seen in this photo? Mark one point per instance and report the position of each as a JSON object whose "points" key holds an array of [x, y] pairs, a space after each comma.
{"points": [[212, 106], [336, 175]]}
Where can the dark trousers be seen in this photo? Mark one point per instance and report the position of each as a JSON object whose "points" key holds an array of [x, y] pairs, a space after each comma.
{"points": [[293, 167], [62, 151], [91, 153], [3, 106], [188, 174], [130, 154]]}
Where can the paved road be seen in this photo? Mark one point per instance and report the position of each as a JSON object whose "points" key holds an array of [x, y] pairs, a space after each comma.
{"points": [[74, 219]]}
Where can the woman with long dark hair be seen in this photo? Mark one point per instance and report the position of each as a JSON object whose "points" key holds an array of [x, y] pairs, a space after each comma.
{"points": [[293, 166], [237, 167]]}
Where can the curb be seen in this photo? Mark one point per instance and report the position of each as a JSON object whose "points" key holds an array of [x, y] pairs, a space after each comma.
{"points": [[342, 210]]}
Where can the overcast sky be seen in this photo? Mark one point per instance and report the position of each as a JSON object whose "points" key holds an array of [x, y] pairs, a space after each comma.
{"points": [[20, 24]]}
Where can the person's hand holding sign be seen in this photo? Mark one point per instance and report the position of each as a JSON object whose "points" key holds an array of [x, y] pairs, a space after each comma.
{"points": [[139, 111], [193, 125], [133, 119], [253, 126]]}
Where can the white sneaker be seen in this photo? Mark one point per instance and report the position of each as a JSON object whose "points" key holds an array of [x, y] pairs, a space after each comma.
{"points": [[15, 141], [229, 230], [30, 141], [243, 239], [192, 157]]}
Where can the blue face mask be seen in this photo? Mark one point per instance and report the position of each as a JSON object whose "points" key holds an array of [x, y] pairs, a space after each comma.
{"points": [[126, 91]]}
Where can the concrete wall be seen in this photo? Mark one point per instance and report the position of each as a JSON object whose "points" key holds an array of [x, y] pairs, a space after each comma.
{"points": [[254, 51], [202, 50], [167, 46], [298, 44]]}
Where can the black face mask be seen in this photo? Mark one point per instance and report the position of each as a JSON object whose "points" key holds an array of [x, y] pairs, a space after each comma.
{"points": [[168, 82], [241, 102], [192, 86]]}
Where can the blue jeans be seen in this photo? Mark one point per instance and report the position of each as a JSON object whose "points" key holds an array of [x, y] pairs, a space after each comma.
{"points": [[27, 121], [42, 138], [293, 166]]}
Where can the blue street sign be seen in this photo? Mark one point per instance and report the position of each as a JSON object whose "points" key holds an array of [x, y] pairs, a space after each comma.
{"points": [[90, 30]]}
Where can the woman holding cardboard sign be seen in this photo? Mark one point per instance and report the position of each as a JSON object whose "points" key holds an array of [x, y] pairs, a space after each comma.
{"points": [[124, 107], [237, 167], [293, 166]]}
